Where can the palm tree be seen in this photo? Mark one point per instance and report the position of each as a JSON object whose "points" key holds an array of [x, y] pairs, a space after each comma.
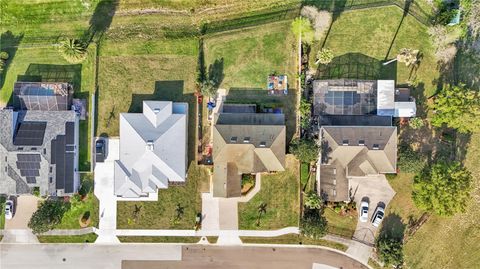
{"points": [[72, 50], [407, 56], [324, 56], [208, 89], [313, 201]]}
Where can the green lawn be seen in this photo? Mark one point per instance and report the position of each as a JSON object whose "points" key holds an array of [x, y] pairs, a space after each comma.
{"points": [[87, 238], [361, 39], [293, 239], [340, 225], [162, 213], [77, 209], [248, 57], [304, 174], [280, 193], [2, 212], [451, 242], [159, 239]]}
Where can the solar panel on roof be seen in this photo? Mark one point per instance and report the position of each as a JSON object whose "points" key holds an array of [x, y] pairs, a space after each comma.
{"points": [[30, 133], [31, 180]]}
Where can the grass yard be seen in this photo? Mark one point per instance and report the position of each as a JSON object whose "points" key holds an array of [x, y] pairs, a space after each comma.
{"points": [[293, 239], [248, 56], [162, 213], [362, 39], [340, 225], [2, 212], [280, 193], [159, 239], [451, 242], [86, 238]]}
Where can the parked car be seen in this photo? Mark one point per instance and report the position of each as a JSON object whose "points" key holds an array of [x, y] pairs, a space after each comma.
{"points": [[378, 216], [9, 209], [364, 211], [100, 151]]}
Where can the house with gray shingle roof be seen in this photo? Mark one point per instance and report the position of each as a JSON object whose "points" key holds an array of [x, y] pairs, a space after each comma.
{"points": [[153, 149], [245, 143], [39, 149]]}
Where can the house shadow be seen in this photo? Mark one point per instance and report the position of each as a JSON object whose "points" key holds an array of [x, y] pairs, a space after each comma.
{"points": [[170, 90], [9, 43], [356, 66], [264, 101], [392, 227]]}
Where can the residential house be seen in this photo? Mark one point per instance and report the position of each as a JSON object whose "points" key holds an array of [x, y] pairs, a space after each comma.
{"points": [[355, 131], [39, 142], [245, 143], [153, 149]]}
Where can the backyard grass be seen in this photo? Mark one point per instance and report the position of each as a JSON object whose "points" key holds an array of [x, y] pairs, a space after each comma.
{"points": [[248, 56], [304, 174], [70, 219], [341, 225], [280, 193], [86, 238], [2, 212], [293, 239], [362, 39], [159, 239], [163, 213]]}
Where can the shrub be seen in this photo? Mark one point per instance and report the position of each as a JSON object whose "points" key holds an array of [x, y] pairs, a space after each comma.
{"points": [[312, 200], [4, 55], [313, 224], [48, 215], [410, 161], [305, 150], [36, 191], [390, 250], [416, 123]]}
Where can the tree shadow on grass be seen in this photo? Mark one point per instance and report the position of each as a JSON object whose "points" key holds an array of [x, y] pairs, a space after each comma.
{"points": [[215, 72], [100, 21], [356, 66], [170, 90], [9, 43]]}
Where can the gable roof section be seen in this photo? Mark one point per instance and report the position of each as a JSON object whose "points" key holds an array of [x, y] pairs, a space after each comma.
{"points": [[147, 158]]}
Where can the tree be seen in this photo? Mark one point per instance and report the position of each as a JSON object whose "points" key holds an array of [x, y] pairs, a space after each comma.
{"points": [[303, 30], [72, 50], [410, 161], [408, 56], [304, 110], [313, 201], [390, 250], [444, 189], [305, 150], [4, 55], [48, 215], [416, 123], [324, 56], [208, 89], [313, 224], [458, 108]]}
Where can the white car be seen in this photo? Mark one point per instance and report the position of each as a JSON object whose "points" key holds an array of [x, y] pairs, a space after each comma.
{"points": [[9, 209], [364, 211], [378, 216]]}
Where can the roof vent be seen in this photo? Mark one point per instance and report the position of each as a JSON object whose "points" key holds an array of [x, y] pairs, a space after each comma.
{"points": [[376, 146], [334, 192], [334, 171], [334, 182], [150, 145], [233, 139], [263, 144], [361, 142], [156, 110], [246, 139], [345, 142]]}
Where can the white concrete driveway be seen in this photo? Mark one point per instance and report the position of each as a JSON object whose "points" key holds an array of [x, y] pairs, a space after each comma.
{"points": [[376, 190], [16, 229], [104, 190]]}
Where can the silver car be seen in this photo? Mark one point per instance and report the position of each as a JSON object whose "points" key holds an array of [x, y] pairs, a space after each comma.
{"points": [[9, 209], [364, 211], [378, 216]]}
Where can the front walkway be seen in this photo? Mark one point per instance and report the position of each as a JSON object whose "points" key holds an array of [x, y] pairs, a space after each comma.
{"points": [[104, 191]]}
